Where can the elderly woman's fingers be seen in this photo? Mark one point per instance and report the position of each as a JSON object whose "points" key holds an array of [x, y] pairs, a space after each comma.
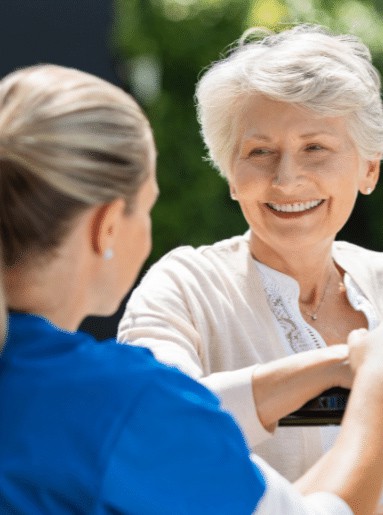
{"points": [[365, 345], [358, 342], [356, 335]]}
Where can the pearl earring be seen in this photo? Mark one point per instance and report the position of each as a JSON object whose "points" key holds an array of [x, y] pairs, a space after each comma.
{"points": [[233, 195], [108, 254], [368, 191]]}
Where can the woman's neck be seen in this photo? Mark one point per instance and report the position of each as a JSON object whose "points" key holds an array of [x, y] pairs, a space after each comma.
{"points": [[64, 286], [53, 285], [313, 268], [49, 288]]}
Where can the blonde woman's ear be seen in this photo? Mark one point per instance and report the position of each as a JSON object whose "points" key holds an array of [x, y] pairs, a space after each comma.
{"points": [[105, 227]]}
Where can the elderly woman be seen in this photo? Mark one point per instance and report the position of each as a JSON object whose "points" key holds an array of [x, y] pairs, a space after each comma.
{"points": [[294, 122]]}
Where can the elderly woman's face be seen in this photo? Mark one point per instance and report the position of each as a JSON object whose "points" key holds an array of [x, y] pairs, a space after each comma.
{"points": [[295, 175]]}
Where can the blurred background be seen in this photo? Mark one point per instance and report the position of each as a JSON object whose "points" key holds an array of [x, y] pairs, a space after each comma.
{"points": [[156, 49]]}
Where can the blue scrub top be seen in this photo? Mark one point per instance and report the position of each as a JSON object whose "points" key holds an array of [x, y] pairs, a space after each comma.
{"points": [[95, 428]]}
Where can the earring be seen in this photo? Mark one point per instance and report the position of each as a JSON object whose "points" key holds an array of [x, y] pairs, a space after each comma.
{"points": [[368, 191], [233, 195], [108, 254]]}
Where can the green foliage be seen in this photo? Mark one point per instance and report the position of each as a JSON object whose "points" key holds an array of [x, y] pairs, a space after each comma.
{"points": [[162, 46]]}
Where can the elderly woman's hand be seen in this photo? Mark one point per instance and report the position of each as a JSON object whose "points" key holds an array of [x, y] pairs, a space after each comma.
{"points": [[304, 375], [366, 349], [341, 373]]}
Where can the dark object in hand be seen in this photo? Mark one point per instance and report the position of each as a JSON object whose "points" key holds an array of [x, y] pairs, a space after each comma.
{"points": [[324, 410]]}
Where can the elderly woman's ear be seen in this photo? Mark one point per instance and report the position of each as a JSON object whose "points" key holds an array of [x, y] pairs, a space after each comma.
{"points": [[233, 193], [371, 177]]}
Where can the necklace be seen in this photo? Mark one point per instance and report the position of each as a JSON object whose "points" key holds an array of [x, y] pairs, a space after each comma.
{"points": [[314, 314]]}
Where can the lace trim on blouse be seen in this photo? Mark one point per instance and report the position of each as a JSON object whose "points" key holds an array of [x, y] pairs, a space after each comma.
{"points": [[282, 292]]}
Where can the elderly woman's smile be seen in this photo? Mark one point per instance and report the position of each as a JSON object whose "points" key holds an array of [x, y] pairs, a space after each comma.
{"points": [[295, 207]]}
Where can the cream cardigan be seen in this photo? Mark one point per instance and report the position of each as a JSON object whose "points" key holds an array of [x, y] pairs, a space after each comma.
{"points": [[205, 311]]}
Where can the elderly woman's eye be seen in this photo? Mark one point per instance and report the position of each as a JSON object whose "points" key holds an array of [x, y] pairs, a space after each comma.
{"points": [[259, 152], [311, 148]]}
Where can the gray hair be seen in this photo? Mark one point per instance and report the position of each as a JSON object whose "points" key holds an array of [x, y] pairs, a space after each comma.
{"points": [[68, 140], [331, 75]]}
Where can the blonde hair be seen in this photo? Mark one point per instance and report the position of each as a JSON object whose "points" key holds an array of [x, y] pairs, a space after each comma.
{"points": [[329, 74], [68, 140]]}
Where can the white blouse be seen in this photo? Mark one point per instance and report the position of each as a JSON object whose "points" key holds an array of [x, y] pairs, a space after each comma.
{"points": [[297, 335]]}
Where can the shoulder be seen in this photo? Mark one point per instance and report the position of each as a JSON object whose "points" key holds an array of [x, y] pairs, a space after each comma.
{"points": [[235, 244], [350, 249], [365, 267], [181, 439], [132, 372], [188, 260], [354, 255]]}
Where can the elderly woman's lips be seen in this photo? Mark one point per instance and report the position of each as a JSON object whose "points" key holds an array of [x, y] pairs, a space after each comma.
{"points": [[295, 207]]}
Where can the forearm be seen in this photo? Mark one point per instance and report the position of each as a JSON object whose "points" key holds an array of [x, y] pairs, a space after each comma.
{"points": [[283, 497], [284, 385], [353, 469]]}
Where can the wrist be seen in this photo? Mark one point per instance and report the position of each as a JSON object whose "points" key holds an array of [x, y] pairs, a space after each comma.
{"points": [[304, 375], [337, 370]]}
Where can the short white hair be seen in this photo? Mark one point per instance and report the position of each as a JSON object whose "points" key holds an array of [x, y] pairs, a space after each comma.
{"points": [[308, 66]]}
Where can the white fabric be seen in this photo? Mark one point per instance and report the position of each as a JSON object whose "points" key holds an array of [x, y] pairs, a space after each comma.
{"points": [[205, 311], [281, 497], [282, 292]]}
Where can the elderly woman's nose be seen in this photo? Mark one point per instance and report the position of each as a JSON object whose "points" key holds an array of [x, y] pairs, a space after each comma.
{"points": [[287, 172]]}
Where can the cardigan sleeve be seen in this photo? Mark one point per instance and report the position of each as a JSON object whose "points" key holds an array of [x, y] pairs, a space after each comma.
{"points": [[166, 313], [235, 391]]}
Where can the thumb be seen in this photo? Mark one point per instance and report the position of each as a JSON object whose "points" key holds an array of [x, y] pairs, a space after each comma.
{"points": [[356, 335]]}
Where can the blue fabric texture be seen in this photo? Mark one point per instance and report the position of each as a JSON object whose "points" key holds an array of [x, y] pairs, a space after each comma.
{"points": [[96, 428]]}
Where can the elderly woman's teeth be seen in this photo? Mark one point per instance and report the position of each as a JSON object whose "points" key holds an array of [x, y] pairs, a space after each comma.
{"points": [[296, 207]]}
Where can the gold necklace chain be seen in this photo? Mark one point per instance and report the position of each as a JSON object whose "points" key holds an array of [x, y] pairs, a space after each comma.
{"points": [[314, 314]]}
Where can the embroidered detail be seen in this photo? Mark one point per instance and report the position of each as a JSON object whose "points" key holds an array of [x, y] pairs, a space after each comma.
{"points": [[282, 306], [282, 293]]}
